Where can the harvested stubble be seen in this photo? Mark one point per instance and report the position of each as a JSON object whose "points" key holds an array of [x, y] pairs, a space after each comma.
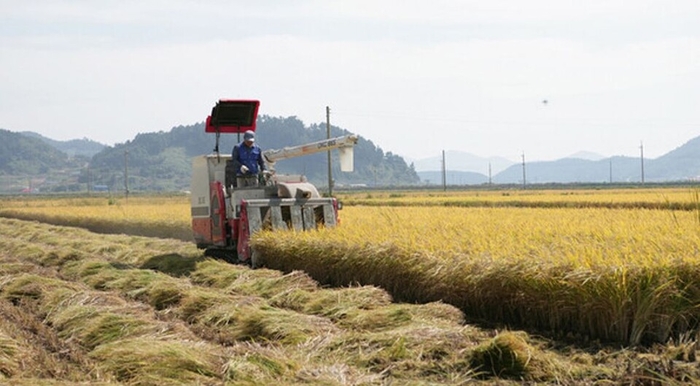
{"points": [[99, 320], [619, 275], [231, 324]]}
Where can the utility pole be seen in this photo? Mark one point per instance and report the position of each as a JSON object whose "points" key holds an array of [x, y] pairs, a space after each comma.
{"points": [[444, 175], [611, 170], [524, 180], [489, 173], [641, 150], [126, 174], [328, 136]]}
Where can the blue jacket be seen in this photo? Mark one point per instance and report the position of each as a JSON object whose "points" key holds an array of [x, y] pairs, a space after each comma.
{"points": [[248, 156]]}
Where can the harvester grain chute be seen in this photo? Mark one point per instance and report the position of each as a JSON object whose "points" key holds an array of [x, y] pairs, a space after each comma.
{"points": [[225, 216]]}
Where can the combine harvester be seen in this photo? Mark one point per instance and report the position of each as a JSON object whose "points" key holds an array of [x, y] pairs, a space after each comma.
{"points": [[225, 216]]}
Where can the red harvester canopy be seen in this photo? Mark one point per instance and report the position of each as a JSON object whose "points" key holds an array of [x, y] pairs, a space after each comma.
{"points": [[232, 116]]}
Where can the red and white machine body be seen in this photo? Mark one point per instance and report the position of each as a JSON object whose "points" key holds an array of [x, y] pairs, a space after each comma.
{"points": [[224, 217]]}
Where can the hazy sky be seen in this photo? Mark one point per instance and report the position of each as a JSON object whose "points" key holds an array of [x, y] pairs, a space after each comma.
{"points": [[415, 77]]}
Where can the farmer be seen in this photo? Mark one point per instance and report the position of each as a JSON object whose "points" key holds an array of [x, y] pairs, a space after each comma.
{"points": [[247, 161]]}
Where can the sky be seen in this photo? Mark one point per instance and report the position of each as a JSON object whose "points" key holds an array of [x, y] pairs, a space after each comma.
{"points": [[415, 77]]}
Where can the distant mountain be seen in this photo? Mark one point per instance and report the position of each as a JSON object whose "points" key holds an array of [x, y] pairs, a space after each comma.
{"points": [[24, 155], [84, 147], [587, 155], [162, 160], [462, 161], [573, 170], [680, 164]]}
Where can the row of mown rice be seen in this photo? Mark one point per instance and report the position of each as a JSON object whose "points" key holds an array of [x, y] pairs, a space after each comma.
{"points": [[134, 310]]}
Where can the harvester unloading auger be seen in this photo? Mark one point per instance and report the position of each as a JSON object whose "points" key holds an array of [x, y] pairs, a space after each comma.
{"points": [[225, 216]]}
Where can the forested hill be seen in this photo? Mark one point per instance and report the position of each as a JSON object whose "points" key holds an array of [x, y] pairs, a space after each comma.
{"points": [[22, 155], [162, 160], [74, 147]]}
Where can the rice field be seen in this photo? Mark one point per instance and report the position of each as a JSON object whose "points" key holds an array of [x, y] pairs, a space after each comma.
{"points": [[138, 310], [614, 265], [681, 198], [154, 216]]}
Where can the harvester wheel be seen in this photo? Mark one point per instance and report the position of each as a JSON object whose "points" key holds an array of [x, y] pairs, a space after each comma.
{"points": [[255, 260]]}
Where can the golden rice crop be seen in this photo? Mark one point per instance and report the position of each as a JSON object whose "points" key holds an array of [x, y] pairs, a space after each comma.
{"points": [[626, 275], [583, 237], [160, 217], [650, 198]]}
